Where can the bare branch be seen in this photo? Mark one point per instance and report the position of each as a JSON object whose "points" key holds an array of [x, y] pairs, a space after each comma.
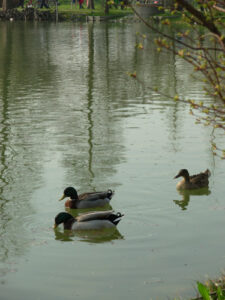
{"points": [[219, 8]]}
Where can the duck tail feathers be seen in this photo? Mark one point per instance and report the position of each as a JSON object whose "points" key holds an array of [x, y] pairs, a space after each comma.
{"points": [[110, 193], [115, 218], [208, 173]]}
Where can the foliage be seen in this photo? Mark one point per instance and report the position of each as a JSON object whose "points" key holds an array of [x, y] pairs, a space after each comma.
{"points": [[211, 290], [68, 10], [8, 4], [204, 291], [96, 7], [201, 43]]}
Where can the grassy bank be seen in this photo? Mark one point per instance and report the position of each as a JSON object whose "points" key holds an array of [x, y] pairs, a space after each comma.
{"points": [[66, 12], [69, 8]]}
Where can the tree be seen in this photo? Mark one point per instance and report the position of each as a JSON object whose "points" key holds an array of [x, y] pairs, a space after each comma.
{"points": [[201, 44], [91, 4], [8, 4]]}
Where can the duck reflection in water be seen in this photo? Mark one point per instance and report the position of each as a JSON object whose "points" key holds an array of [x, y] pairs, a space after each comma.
{"points": [[186, 196], [89, 236]]}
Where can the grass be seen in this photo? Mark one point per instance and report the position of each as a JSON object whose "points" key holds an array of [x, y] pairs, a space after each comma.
{"points": [[65, 7], [98, 11], [212, 289], [67, 11]]}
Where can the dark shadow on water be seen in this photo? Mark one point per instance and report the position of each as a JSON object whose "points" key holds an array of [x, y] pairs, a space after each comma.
{"points": [[89, 236], [186, 196]]}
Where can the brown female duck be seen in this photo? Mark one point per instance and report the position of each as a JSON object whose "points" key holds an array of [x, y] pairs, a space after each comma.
{"points": [[192, 182]]}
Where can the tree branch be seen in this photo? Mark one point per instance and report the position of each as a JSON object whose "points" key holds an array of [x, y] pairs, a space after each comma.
{"points": [[219, 8], [200, 16]]}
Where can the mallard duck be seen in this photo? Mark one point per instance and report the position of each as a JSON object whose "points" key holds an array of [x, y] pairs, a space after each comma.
{"points": [[86, 200], [94, 220], [192, 182]]}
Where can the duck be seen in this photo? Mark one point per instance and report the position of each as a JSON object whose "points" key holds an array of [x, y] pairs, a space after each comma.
{"points": [[87, 221], [86, 200], [197, 181]]}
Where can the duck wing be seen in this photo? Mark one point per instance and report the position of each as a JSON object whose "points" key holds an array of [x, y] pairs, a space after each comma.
{"points": [[96, 215], [200, 179], [96, 195]]}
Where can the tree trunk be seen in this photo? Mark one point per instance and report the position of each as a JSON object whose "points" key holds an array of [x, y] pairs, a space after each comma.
{"points": [[91, 4], [7, 4], [106, 7]]}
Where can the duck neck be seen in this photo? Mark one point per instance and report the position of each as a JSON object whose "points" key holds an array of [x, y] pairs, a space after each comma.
{"points": [[74, 196], [68, 224], [71, 203], [186, 178]]}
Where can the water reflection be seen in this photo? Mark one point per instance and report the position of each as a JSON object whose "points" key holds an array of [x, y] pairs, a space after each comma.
{"points": [[89, 236], [19, 162], [36, 111], [67, 107], [186, 195], [4, 105], [89, 141], [90, 81]]}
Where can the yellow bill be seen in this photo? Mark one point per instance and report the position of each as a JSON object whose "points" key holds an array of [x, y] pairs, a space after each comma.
{"points": [[62, 197]]}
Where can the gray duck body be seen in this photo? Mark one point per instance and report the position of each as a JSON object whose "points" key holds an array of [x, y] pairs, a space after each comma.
{"points": [[88, 221], [86, 200]]}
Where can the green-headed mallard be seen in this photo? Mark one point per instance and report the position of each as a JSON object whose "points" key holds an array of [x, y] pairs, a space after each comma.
{"points": [[86, 200], [93, 220], [192, 182]]}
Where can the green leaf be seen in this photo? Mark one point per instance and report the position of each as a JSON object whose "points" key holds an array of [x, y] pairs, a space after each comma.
{"points": [[203, 290], [176, 98], [140, 46], [220, 293], [205, 110]]}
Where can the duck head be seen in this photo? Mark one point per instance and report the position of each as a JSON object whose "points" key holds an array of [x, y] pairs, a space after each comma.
{"points": [[69, 192], [183, 173], [62, 217]]}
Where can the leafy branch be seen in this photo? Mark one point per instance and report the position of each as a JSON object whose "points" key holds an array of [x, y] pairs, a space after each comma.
{"points": [[202, 45]]}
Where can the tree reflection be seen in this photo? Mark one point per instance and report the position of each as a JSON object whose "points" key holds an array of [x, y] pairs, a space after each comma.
{"points": [[90, 80], [19, 156], [94, 147]]}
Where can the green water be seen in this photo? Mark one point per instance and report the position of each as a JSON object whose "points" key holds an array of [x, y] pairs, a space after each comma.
{"points": [[70, 115]]}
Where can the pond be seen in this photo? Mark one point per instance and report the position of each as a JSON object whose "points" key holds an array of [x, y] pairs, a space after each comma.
{"points": [[71, 116]]}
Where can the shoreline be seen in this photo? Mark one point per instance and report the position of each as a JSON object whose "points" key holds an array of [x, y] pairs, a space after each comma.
{"points": [[36, 14]]}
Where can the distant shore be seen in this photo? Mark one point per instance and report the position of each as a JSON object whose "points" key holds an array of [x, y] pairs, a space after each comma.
{"points": [[37, 14]]}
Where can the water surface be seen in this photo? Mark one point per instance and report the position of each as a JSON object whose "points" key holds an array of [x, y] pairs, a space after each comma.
{"points": [[70, 115]]}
